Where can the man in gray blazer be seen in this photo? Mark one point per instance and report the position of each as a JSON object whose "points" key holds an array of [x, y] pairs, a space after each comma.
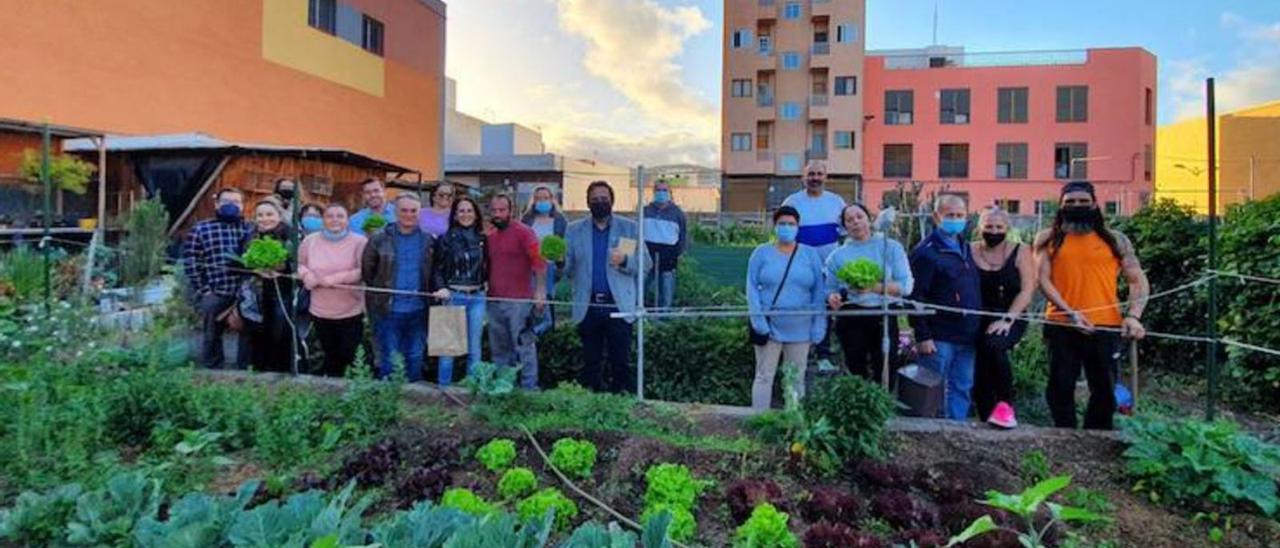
{"points": [[603, 258]]}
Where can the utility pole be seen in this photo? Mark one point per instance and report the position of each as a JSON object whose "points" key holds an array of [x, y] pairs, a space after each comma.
{"points": [[1212, 319]]}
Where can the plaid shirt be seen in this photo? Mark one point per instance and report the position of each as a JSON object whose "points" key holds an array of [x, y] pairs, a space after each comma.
{"points": [[209, 254]]}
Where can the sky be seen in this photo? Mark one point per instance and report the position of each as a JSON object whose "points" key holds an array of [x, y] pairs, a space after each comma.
{"points": [[638, 81]]}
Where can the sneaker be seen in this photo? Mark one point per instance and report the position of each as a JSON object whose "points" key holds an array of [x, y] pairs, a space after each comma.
{"points": [[825, 366], [1002, 416]]}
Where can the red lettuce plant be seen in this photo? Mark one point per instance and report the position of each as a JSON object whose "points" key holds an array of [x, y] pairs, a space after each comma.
{"points": [[744, 495], [831, 504], [903, 511]]}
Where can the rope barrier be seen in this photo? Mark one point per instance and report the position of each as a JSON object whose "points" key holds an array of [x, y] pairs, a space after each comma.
{"points": [[1246, 277]]}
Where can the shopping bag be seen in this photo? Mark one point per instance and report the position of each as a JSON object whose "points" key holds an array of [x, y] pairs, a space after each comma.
{"points": [[447, 331]]}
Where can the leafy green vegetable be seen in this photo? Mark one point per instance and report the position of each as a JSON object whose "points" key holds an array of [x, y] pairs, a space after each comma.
{"points": [[301, 520], [37, 519], [490, 379], [553, 248], [1186, 461], [856, 410], [537, 505], [672, 485], [466, 501], [862, 273], [683, 525], [424, 525], [575, 458], [107, 517], [265, 253], [194, 521], [373, 223], [516, 483], [497, 455], [766, 528], [1026, 506]]}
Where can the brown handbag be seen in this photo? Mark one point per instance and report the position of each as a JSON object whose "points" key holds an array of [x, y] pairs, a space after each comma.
{"points": [[232, 317]]}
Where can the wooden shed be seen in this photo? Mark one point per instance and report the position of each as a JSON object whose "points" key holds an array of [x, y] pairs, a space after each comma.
{"points": [[187, 169]]}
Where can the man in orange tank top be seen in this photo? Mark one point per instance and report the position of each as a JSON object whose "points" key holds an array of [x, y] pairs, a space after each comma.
{"points": [[1080, 264]]}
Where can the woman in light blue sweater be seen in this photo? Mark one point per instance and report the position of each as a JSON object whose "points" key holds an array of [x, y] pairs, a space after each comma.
{"points": [[861, 336], [771, 286]]}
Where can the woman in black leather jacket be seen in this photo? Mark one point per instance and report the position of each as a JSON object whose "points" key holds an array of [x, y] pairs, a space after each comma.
{"points": [[461, 273]]}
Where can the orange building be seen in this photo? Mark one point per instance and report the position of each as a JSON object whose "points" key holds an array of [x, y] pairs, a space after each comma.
{"points": [[360, 75], [792, 71], [1011, 128]]}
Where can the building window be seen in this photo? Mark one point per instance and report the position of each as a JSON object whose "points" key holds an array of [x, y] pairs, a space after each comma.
{"points": [[740, 142], [1073, 103], [1046, 207], [789, 162], [846, 85], [897, 161], [323, 15], [1011, 160], [955, 106], [1068, 161], [790, 111], [1011, 105], [1146, 163], [741, 87], [1111, 208], [791, 10], [765, 44], [371, 38], [898, 107], [844, 139], [741, 38], [846, 33], [762, 136], [818, 141], [790, 61], [953, 161], [1012, 207], [1148, 108]]}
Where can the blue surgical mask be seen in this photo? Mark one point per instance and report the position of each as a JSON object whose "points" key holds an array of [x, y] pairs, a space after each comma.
{"points": [[662, 196], [953, 227], [786, 233], [228, 212], [334, 236], [312, 224], [543, 207]]}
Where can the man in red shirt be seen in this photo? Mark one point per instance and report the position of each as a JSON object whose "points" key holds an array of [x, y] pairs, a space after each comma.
{"points": [[514, 259]]}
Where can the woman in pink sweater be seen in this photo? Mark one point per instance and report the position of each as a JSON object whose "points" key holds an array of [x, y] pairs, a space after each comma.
{"points": [[328, 259]]}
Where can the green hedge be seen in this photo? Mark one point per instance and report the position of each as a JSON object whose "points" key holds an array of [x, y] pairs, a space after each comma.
{"points": [[1250, 311]]}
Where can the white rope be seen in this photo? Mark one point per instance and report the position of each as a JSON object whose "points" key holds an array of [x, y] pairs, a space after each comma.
{"points": [[1246, 277]]}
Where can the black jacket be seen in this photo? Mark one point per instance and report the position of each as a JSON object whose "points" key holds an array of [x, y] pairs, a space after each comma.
{"points": [[378, 267], [462, 259], [945, 276]]}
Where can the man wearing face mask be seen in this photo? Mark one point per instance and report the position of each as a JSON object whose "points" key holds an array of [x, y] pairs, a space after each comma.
{"points": [[286, 189], [666, 236], [1081, 260], [820, 212], [602, 262], [945, 274], [209, 261]]}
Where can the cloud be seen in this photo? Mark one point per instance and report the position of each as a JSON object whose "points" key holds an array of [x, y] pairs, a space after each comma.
{"points": [[667, 147], [1254, 78], [634, 46]]}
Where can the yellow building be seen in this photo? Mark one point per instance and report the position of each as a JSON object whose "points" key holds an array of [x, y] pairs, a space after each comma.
{"points": [[1248, 158]]}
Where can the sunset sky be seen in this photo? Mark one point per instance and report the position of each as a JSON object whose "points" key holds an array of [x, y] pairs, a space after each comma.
{"points": [[638, 81]]}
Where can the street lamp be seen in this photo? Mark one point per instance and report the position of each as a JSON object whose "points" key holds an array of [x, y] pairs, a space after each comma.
{"points": [[1195, 171]]}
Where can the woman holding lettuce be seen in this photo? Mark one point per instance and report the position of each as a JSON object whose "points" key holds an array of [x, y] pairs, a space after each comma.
{"points": [[854, 273]]}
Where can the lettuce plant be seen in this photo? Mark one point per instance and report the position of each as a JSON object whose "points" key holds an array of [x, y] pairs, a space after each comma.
{"points": [[466, 501], [537, 505], [766, 528], [576, 458], [497, 455], [516, 483]]}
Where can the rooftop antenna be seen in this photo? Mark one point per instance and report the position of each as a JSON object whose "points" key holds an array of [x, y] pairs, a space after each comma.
{"points": [[935, 22]]}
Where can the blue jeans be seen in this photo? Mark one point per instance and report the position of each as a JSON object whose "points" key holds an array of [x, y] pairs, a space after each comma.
{"points": [[511, 340], [954, 362], [474, 302], [405, 334], [666, 288], [548, 319]]}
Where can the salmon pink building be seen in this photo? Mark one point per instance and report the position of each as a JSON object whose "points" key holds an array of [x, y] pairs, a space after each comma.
{"points": [[1011, 128]]}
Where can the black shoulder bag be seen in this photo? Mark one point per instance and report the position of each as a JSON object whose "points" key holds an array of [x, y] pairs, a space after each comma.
{"points": [[761, 339]]}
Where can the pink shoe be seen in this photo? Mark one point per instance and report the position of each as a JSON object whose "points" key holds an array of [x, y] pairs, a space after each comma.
{"points": [[1002, 416]]}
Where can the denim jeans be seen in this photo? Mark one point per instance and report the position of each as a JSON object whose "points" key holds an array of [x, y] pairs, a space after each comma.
{"points": [[954, 361], [511, 340], [548, 320], [664, 285], [474, 303], [405, 334]]}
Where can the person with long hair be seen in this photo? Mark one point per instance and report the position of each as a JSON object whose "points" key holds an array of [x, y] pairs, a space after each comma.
{"points": [[861, 336], [461, 277], [785, 276], [271, 340], [1081, 260], [436, 220], [327, 260], [1007, 274], [544, 217]]}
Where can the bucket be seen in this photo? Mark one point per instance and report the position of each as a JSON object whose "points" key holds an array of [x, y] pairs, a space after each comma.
{"points": [[920, 389]]}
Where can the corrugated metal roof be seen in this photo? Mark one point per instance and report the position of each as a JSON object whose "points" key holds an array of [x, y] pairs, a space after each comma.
{"points": [[24, 126], [202, 141]]}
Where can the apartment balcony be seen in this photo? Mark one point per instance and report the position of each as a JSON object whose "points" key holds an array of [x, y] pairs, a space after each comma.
{"points": [[764, 156], [818, 100], [764, 100], [820, 48], [816, 154], [766, 9]]}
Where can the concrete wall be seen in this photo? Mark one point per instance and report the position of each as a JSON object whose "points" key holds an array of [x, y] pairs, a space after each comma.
{"points": [[1248, 150], [245, 70]]}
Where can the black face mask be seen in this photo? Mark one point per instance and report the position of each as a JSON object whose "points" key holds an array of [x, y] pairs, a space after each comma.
{"points": [[993, 240], [601, 210], [1080, 214], [286, 193]]}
